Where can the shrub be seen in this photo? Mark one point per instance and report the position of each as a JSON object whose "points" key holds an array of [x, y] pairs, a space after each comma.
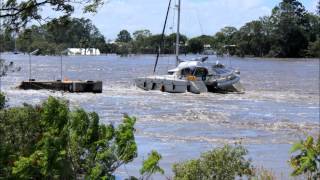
{"points": [[306, 158], [221, 163], [151, 165], [52, 142]]}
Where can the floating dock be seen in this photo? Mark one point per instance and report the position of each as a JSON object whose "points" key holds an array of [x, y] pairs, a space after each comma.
{"points": [[68, 86]]}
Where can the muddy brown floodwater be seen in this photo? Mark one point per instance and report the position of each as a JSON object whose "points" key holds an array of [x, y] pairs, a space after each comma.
{"points": [[280, 105]]}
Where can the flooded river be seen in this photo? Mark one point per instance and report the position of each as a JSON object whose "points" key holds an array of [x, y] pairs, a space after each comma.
{"points": [[280, 106]]}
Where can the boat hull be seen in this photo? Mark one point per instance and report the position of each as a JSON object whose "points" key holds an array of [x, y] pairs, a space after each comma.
{"points": [[225, 85], [171, 85]]}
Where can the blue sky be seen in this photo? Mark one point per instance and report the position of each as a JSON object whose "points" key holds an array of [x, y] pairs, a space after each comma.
{"points": [[197, 17]]}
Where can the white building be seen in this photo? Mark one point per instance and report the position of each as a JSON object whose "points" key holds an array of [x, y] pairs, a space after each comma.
{"points": [[207, 50], [83, 51]]}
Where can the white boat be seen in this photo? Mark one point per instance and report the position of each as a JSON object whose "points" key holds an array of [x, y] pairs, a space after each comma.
{"points": [[191, 76], [186, 77], [195, 77]]}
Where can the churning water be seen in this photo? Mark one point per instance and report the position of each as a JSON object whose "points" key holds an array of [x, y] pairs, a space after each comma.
{"points": [[280, 106]]}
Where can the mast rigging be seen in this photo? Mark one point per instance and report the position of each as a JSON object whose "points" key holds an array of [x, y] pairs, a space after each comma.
{"points": [[162, 38]]}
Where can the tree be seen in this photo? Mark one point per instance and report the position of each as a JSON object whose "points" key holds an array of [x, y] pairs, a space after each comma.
{"points": [[140, 40], [59, 34], [314, 49], [221, 163], [195, 45], [252, 39], [151, 165], [225, 36], [228, 32], [140, 35], [6, 41], [306, 159], [2, 100], [18, 13], [52, 142], [124, 36], [170, 42], [152, 44], [289, 18]]}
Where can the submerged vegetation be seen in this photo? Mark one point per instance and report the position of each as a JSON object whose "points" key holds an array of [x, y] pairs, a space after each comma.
{"points": [[290, 31]]}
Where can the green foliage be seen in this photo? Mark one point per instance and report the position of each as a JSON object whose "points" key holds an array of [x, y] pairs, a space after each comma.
{"points": [[170, 42], [59, 34], [141, 35], [6, 40], [221, 163], [123, 49], [18, 13], [52, 142], [289, 19], [151, 165], [290, 31], [140, 43], [124, 36], [253, 39], [306, 158], [314, 49], [145, 42], [195, 45], [2, 100]]}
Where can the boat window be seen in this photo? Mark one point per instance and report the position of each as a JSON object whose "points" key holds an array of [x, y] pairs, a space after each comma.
{"points": [[186, 72], [200, 72]]}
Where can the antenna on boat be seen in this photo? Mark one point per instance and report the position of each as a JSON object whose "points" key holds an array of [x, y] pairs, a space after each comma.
{"points": [[178, 33], [61, 54], [162, 38], [200, 25], [30, 70], [61, 66], [0, 42], [0, 28]]}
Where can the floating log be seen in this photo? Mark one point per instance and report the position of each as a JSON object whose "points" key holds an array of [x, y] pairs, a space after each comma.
{"points": [[68, 86]]}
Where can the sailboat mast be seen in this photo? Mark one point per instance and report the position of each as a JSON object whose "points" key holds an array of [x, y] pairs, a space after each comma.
{"points": [[178, 33], [162, 38], [0, 28]]}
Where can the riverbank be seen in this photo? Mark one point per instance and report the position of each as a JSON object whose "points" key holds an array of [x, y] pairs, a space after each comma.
{"points": [[182, 56]]}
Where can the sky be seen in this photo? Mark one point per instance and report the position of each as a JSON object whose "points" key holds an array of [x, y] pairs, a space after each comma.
{"points": [[198, 17]]}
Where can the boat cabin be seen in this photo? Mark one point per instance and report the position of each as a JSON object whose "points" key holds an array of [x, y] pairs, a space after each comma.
{"points": [[190, 68]]}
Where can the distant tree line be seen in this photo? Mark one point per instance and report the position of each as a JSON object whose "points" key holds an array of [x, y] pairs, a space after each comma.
{"points": [[56, 36], [290, 31], [143, 42]]}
